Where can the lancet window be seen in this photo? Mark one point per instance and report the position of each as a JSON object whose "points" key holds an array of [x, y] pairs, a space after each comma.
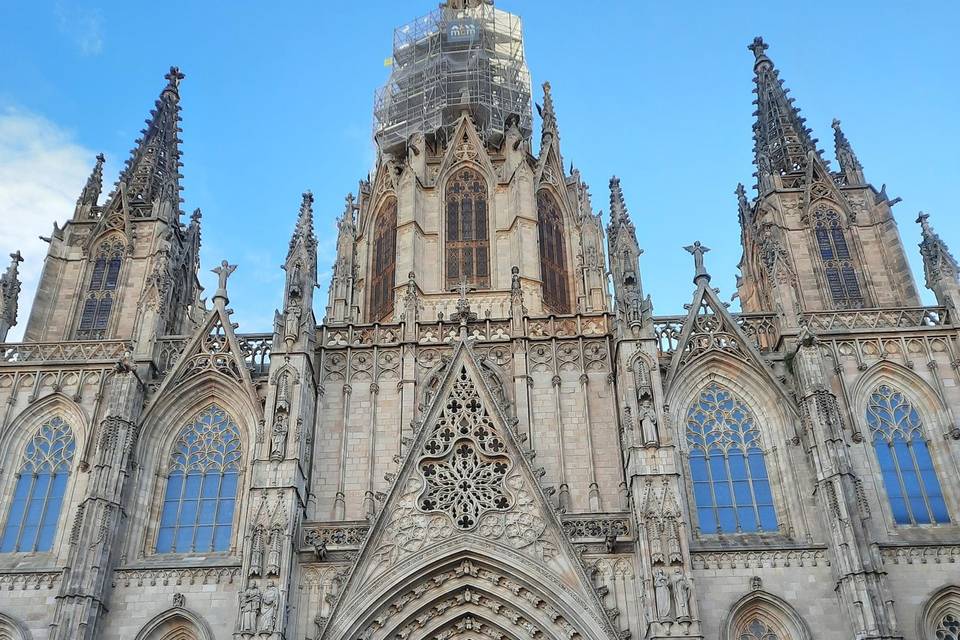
{"points": [[730, 485], [553, 254], [201, 493], [41, 484], [467, 236], [909, 477], [837, 262], [384, 261], [101, 290]]}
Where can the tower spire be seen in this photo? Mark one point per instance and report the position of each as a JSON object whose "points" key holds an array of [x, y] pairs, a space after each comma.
{"points": [[9, 295], [780, 136], [624, 253], [303, 233], [153, 170], [548, 114], [91, 191], [619, 217], [849, 164]]}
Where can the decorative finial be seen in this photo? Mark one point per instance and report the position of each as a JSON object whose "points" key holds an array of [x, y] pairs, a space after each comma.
{"points": [[846, 158], [759, 48], [195, 216], [547, 112], [922, 220], [91, 191], [463, 313], [697, 250], [223, 273], [173, 78]]}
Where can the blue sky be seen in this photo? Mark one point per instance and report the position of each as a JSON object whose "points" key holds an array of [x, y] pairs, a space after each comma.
{"points": [[277, 101]]}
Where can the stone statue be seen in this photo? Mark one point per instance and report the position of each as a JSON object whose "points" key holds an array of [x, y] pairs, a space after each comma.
{"points": [[648, 422], [273, 556], [661, 590], [223, 273], [268, 609], [278, 439], [681, 595], [256, 552], [291, 327], [249, 607]]}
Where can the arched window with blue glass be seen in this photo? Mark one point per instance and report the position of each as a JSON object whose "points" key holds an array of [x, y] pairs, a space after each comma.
{"points": [[41, 484], [908, 473], [201, 493], [731, 489]]}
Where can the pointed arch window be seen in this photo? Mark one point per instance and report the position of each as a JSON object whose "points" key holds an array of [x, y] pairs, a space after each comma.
{"points": [[730, 485], [101, 290], [467, 236], [41, 484], [201, 493], [909, 477], [948, 627], [837, 261], [553, 253], [384, 261]]}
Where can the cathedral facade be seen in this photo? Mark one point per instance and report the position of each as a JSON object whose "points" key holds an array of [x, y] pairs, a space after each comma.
{"points": [[489, 435]]}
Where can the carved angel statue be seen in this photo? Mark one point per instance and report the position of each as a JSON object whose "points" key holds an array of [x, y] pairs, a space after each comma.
{"points": [[268, 609], [278, 438], [681, 595], [661, 591], [249, 608], [291, 326], [648, 422]]}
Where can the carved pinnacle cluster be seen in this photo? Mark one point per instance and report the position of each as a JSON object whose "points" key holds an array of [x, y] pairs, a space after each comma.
{"points": [[91, 191], [548, 114], [938, 263], [846, 158], [303, 234], [781, 138], [9, 295], [619, 216], [153, 170]]}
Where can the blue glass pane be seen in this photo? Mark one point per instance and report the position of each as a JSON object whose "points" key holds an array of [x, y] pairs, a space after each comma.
{"points": [[174, 485], [757, 467], [168, 517], [919, 510], [165, 540], [208, 512], [761, 489], [225, 512], [738, 466], [721, 491], [718, 467], [768, 518], [228, 486], [211, 485], [899, 508], [708, 520], [204, 540], [221, 539], [183, 542], [728, 519], [741, 493], [698, 467], [748, 521], [15, 518], [192, 489], [939, 508], [188, 513], [701, 493]]}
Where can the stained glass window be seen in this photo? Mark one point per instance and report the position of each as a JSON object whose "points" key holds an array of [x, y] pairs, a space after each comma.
{"points": [[837, 261], [948, 628], [99, 298], [757, 629], [553, 254], [467, 240], [41, 484], [201, 491], [730, 485], [384, 261], [908, 472]]}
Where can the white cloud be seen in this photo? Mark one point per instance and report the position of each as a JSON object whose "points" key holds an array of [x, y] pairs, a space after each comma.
{"points": [[83, 26], [42, 171]]}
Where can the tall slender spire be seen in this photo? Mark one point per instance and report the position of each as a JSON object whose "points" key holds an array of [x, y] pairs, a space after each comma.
{"points": [[548, 114], [303, 233], [624, 254], [781, 138], [153, 170], [91, 191], [849, 164], [939, 265], [619, 217], [9, 295]]}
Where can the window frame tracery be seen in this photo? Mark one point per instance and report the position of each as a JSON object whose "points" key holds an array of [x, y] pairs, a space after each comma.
{"points": [[906, 426], [941, 610], [724, 485], [209, 460], [100, 293], [839, 265], [383, 273], [47, 455], [552, 241], [454, 247]]}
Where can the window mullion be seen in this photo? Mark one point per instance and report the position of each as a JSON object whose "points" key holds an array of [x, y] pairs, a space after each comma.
{"points": [[26, 512], [713, 494], [921, 483], [903, 485]]}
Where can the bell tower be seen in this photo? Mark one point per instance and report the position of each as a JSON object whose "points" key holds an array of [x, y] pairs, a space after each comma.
{"points": [[813, 239]]}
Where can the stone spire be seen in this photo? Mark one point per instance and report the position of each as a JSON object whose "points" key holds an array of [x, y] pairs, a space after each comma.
{"points": [[301, 268], [153, 171], [624, 251], [9, 295], [849, 164], [781, 138], [548, 114], [91, 191], [342, 308], [619, 217], [743, 205], [303, 235], [939, 266]]}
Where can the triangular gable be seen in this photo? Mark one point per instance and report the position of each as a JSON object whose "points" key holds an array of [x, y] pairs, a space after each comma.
{"points": [[818, 185], [115, 217], [464, 490], [466, 146], [550, 168], [710, 328], [213, 350]]}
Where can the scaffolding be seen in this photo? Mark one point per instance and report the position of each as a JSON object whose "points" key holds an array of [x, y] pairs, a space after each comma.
{"points": [[450, 61]]}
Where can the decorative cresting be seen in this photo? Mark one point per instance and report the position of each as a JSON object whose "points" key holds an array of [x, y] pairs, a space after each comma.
{"points": [[201, 491], [838, 263], [101, 287], [730, 485], [467, 239], [40, 488], [908, 472], [384, 261], [553, 253]]}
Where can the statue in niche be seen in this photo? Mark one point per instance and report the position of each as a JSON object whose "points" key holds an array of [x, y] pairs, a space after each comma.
{"points": [[681, 595], [295, 282], [291, 326], [648, 421], [268, 609], [661, 590], [249, 608], [256, 552], [273, 556], [278, 438]]}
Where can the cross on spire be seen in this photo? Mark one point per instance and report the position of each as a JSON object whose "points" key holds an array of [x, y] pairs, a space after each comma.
{"points": [[697, 250], [173, 78]]}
